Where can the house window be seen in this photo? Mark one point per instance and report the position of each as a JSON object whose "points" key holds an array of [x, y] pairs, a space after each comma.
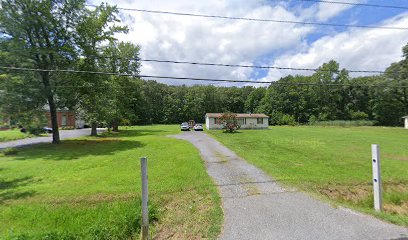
{"points": [[64, 120], [241, 121], [259, 120]]}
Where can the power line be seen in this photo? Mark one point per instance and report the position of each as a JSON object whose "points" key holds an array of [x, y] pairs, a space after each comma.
{"points": [[256, 66], [356, 4], [242, 66], [200, 79], [256, 19]]}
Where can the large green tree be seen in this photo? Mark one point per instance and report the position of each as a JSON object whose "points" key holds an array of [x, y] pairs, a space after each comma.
{"points": [[40, 34], [94, 30]]}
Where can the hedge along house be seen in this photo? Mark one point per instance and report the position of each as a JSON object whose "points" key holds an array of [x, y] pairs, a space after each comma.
{"points": [[247, 121]]}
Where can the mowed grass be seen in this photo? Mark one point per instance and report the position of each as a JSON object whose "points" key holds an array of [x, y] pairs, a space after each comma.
{"points": [[90, 188], [10, 135], [331, 162]]}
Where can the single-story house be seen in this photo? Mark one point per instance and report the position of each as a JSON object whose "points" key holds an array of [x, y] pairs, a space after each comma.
{"points": [[405, 122], [247, 121], [65, 118]]}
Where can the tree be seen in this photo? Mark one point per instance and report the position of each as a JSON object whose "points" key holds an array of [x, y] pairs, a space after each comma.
{"points": [[229, 122], [97, 97], [39, 34], [122, 57]]}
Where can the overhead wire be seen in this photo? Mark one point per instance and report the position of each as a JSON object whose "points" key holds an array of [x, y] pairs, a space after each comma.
{"points": [[355, 4], [243, 66], [255, 19], [198, 79]]}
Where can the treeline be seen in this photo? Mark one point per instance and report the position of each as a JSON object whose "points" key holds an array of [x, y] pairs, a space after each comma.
{"points": [[329, 94]]}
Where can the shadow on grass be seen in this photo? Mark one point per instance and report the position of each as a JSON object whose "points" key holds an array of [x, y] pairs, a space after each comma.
{"points": [[9, 192], [77, 148], [134, 133]]}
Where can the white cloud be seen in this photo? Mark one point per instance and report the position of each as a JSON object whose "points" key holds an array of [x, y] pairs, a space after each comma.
{"points": [[171, 37], [357, 49]]}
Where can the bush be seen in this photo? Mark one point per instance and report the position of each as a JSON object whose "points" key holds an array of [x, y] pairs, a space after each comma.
{"points": [[359, 115], [278, 118], [35, 130], [230, 122]]}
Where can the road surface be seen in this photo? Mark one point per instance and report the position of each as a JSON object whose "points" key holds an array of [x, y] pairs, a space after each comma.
{"points": [[257, 207], [64, 134]]}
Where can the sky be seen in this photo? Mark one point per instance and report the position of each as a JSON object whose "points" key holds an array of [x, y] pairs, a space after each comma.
{"points": [[195, 39]]}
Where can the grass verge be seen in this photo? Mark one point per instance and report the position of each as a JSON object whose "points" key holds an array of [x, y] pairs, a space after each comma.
{"points": [[11, 135], [333, 163], [89, 188]]}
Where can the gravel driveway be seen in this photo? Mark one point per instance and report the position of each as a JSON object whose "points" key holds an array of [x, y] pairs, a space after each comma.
{"points": [[256, 207], [64, 134]]}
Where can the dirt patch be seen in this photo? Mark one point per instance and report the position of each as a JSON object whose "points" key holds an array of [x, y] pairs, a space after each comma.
{"points": [[249, 186], [397, 209], [363, 192], [354, 194], [396, 157]]}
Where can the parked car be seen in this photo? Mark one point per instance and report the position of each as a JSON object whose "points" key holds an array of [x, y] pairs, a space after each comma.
{"points": [[47, 129], [198, 127], [184, 126]]}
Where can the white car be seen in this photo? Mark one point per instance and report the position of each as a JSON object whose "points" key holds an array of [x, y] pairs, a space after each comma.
{"points": [[184, 127], [198, 127]]}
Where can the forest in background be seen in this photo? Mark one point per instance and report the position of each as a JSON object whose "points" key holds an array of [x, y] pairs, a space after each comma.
{"points": [[382, 99]]}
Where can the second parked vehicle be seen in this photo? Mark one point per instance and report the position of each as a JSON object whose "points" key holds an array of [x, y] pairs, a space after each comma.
{"points": [[198, 127]]}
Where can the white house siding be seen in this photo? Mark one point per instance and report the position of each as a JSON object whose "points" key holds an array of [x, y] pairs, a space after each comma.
{"points": [[252, 123], [246, 123], [210, 123], [406, 122]]}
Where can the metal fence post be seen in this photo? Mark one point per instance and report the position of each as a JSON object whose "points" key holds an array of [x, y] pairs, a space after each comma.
{"points": [[375, 152], [145, 211]]}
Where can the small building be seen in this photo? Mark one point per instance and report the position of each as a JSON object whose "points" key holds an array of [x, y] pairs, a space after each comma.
{"points": [[405, 122], [65, 118], [247, 121]]}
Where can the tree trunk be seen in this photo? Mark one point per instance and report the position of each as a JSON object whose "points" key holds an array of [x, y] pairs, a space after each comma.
{"points": [[53, 108], [115, 125], [93, 129]]}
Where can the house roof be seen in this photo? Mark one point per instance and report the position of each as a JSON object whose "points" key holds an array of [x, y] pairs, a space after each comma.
{"points": [[240, 115]]}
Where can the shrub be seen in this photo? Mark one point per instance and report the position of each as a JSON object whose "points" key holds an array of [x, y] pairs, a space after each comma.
{"points": [[35, 130], [279, 118], [359, 115], [230, 122]]}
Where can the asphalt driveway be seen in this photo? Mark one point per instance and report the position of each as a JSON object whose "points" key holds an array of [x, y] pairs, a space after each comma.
{"points": [[64, 134], [257, 207]]}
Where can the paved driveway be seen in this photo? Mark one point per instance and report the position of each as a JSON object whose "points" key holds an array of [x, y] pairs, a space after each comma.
{"points": [[256, 207], [64, 134]]}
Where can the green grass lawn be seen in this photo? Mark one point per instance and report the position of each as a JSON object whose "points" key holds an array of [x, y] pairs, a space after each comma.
{"points": [[90, 188], [331, 162], [13, 134]]}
